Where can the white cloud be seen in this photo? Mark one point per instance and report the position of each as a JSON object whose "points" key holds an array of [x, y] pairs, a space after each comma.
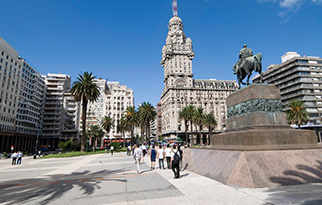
{"points": [[290, 6]]}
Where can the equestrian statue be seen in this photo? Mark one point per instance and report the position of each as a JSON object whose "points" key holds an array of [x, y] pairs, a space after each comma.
{"points": [[246, 64]]}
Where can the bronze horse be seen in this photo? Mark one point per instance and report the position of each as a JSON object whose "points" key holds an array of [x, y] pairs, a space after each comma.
{"points": [[247, 67]]}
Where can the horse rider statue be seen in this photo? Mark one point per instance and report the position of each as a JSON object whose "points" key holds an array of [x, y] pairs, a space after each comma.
{"points": [[243, 54], [247, 63]]}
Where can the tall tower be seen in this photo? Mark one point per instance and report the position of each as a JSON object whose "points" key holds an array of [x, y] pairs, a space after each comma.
{"points": [[177, 55]]}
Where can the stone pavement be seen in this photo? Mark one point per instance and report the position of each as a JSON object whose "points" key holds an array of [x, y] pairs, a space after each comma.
{"points": [[106, 179]]}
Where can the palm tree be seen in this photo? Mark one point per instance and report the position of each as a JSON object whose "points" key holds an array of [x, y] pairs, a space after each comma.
{"points": [[184, 115], [210, 122], [190, 113], [147, 114], [198, 119], [107, 124], [131, 120], [84, 90], [297, 113], [121, 127], [94, 133]]}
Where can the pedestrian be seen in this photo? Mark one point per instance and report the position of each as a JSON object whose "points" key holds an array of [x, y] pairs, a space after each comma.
{"points": [[175, 159], [160, 156], [153, 156], [181, 156], [144, 151], [168, 156], [19, 156], [14, 158], [138, 155], [129, 150], [112, 149]]}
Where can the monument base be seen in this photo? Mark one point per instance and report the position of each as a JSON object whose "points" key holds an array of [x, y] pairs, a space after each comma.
{"points": [[256, 169], [265, 139]]}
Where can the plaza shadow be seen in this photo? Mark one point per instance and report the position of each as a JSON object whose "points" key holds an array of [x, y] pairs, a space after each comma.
{"points": [[299, 187], [45, 190]]}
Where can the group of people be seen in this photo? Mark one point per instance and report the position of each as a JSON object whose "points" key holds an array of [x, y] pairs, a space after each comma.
{"points": [[173, 157], [16, 158]]}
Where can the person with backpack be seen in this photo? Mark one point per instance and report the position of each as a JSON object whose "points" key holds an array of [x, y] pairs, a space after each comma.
{"points": [[175, 161], [153, 155]]}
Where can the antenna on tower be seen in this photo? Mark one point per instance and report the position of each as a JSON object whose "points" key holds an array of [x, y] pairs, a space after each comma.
{"points": [[175, 8]]}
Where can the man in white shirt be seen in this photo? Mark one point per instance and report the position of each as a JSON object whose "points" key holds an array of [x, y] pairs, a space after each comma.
{"points": [[138, 155], [175, 160], [168, 156], [160, 156], [19, 156]]}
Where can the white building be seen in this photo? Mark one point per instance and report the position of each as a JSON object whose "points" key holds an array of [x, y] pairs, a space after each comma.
{"points": [[181, 90], [71, 109], [57, 85], [21, 101], [113, 101]]}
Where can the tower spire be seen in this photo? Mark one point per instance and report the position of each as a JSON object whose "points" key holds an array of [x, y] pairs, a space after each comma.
{"points": [[175, 8]]}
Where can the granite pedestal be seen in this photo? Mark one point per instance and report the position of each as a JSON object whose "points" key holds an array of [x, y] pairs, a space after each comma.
{"points": [[258, 148]]}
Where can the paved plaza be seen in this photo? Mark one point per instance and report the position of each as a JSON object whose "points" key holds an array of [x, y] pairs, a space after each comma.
{"points": [[106, 179]]}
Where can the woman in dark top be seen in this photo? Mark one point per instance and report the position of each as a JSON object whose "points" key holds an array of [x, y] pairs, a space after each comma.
{"points": [[153, 154]]}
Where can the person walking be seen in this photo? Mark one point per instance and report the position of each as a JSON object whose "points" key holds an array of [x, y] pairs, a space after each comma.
{"points": [[138, 155], [168, 156], [175, 160], [129, 150], [144, 150], [181, 156], [160, 156], [112, 149], [14, 158], [153, 154], [19, 158]]}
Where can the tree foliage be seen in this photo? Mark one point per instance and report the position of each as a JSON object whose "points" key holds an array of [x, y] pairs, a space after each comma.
{"points": [[84, 90], [297, 113]]}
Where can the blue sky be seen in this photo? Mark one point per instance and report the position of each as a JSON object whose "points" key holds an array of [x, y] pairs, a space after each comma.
{"points": [[121, 40]]}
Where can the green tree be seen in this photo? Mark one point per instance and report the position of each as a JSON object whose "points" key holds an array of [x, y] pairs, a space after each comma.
{"points": [[107, 124], [95, 133], [184, 115], [190, 113], [147, 113], [198, 120], [84, 90], [121, 127], [297, 113], [131, 119], [210, 121]]}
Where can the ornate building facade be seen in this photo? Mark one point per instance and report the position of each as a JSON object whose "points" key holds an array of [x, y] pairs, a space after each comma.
{"points": [[181, 90]]}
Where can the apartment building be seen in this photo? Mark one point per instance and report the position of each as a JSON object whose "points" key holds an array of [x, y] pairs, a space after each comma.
{"points": [[57, 85], [113, 101], [71, 110], [21, 101], [298, 78]]}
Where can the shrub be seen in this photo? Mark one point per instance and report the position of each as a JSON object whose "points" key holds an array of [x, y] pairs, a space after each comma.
{"points": [[5, 155]]}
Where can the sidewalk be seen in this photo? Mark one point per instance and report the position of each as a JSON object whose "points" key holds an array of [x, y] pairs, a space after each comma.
{"points": [[202, 190]]}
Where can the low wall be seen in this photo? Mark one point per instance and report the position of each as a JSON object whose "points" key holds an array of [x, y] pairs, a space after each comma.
{"points": [[256, 169]]}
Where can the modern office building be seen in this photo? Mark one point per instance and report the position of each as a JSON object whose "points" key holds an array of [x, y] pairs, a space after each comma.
{"points": [[298, 78], [21, 101], [181, 90], [57, 85]]}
